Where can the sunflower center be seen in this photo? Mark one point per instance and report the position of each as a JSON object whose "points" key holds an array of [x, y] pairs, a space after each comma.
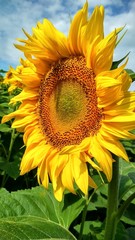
{"points": [[68, 103], [69, 99]]}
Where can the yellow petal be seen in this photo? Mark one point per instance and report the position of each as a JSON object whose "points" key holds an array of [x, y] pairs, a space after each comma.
{"points": [[26, 94], [20, 122], [119, 108], [128, 117], [46, 43], [91, 182], [80, 173], [67, 176], [115, 72], [103, 54], [74, 36], [58, 191], [105, 82], [58, 39], [113, 146], [84, 157], [102, 156], [42, 174], [33, 156], [116, 131], [94, 28]]}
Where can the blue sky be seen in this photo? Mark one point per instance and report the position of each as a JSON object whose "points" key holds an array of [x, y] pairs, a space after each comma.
{"points": [[16, 14]]}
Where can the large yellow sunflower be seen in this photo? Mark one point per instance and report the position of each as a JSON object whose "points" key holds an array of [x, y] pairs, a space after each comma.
{"points": [[74, 108]]}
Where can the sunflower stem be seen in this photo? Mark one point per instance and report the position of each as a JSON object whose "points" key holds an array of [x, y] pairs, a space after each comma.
{"points": [[83, 218], [13, 137], [84, 214], [112, 207]]}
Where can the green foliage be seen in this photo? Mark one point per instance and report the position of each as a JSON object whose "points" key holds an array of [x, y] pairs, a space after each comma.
{"points": [[38, 209], [94, 230], [10, 141], [96, 213], [41, 203], [28, 227]]}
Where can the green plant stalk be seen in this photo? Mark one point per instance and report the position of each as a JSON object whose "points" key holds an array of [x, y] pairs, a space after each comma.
{"points": [[84, 214], [112, 206], [13, 137], [83, 219], [11, 143], [4, 150]]}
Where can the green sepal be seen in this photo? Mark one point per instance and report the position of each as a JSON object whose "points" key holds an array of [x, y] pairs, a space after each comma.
{"points": [[131, 73], [115, 64]]}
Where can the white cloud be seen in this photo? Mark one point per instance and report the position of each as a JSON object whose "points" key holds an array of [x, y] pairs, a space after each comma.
{"points": [[16, 14], [127, 43]]}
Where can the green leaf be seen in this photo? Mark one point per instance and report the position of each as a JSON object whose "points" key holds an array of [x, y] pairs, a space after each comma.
{"points": [[104, 189], [129, 215], [127, 180], [131, 233], [30, 227], [11, 168], [121, 233], [93, 230], [40, 202], [132, 176], [71, 208], [126, 167], [129, 145], [125, 184], [36, 214], [99, 199], [5, 128], [5, 104], [91, 206], [2, 71], [34, 202]]}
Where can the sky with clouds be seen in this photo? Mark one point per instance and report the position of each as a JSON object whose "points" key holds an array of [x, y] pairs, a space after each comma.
{"points": [[16, 14]]}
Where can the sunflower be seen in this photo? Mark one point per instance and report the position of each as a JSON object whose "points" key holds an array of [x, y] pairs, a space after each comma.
{"points": [[12, 77], [74, 109]]}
